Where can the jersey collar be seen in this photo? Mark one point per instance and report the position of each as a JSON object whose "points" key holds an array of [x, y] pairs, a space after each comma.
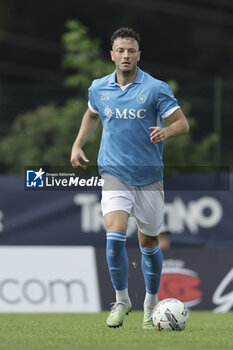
{"points": [[137, 80]]}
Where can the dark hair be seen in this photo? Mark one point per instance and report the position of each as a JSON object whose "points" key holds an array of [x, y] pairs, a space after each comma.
{"points": [[125, 33]]}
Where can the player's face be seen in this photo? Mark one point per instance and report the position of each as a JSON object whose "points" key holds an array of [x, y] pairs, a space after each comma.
{"points": [[125, 54]]}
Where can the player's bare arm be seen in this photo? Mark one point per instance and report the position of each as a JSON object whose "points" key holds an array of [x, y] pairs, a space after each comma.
{"points": [[178, 126], [88, 126]]}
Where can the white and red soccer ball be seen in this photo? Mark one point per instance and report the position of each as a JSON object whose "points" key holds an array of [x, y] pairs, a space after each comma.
{"points": [[170, 315]]}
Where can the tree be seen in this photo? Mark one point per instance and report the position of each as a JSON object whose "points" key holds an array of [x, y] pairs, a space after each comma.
{"points": [[184, 151], [41, 137], [83, 57], [44, 136]]}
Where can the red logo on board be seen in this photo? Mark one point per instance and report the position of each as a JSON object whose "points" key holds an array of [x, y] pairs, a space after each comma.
{"points": [[180, 283]]}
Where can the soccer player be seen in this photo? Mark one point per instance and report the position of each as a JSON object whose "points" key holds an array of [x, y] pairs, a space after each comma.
{"points": [[132, 106]]}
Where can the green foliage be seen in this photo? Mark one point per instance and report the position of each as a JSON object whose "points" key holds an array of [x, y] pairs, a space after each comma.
{"points": [[42, 137], [83, 57], [45, 136], [183, 154], [184, 150]]}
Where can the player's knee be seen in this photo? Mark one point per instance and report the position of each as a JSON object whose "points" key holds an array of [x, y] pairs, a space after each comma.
{"points": [[115, 226], [148, 241], [116, 222]]}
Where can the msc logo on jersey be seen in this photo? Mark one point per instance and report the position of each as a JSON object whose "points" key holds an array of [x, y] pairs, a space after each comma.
{"points": [[35, 178], [127, 113], [108, 112]]}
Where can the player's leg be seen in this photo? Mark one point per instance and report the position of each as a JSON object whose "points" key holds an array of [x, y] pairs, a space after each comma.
{"points": [[149, 212], [116, 206], [151, 264], [117, 259], [118, 266]]}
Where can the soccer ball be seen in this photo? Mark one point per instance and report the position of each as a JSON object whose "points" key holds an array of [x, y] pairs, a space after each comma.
{"points": [[170, 315]]}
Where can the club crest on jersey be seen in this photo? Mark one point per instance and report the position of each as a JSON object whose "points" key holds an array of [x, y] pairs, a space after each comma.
{"points": [[141, 98]]}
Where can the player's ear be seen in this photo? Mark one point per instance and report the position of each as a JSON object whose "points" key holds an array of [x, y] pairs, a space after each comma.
{"points": [[112, 56], [139, 55]]}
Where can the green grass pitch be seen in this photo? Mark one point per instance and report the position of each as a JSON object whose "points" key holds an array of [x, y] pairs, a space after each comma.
{"points": [[206, 330]]}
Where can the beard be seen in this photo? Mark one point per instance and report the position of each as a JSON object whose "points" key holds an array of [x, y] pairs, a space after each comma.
{"points": [[128, 71]]}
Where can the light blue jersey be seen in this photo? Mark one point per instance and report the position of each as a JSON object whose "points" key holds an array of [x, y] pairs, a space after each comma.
{"points": [[126, 114]]}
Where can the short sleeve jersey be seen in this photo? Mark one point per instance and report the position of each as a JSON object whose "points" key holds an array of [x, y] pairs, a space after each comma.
{"points": [[126, 114]]}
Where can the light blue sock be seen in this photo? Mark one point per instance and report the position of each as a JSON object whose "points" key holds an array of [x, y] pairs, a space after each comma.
{"points": [[117, 259], [151, 263]]}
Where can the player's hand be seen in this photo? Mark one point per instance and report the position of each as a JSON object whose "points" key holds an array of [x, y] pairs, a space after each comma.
{"points": [[158, 134], [76, 155]]}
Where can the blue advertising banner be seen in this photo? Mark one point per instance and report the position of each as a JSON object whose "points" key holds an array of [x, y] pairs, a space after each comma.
{"points": [[202, 278], [200, 217]]}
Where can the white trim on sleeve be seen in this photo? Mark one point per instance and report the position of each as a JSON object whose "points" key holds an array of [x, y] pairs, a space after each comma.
{"points": [[91, 108], [170, 112]]}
